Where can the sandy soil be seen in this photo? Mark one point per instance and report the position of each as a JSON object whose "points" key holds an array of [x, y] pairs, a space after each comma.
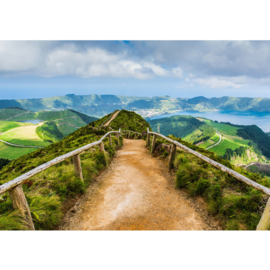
{"points": [[137, 192], [114, 115]]}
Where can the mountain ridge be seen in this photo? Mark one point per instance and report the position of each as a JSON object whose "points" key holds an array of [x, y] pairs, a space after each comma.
{"points": [[100, 105]]}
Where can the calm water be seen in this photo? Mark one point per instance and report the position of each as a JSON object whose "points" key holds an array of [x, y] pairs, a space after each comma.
{"points": [[262, 120], [35, 121]]}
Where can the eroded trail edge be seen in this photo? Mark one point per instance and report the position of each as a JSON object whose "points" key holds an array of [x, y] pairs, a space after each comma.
{"points": [[135, 193]]}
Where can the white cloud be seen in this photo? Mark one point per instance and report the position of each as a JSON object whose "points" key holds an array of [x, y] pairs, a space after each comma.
{"points": [[217, 83], [27, 58]]}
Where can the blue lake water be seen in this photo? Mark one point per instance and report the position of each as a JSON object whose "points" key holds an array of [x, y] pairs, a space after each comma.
{"points": [[262, 120], [34, 121]]}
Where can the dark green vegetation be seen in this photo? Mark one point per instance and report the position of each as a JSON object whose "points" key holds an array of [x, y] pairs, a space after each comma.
{"points": [[58, 124], [3, 162], [229, 154], [49, 193], [99, 105], [256, 135], [49, 132], [67, 121], [187, 127], [126, 120], [237, 205], [239, 144]]}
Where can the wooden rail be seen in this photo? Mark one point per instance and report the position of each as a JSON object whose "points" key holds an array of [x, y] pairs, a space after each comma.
{"points": [[131, 131], [14, 187], [265, 219]]}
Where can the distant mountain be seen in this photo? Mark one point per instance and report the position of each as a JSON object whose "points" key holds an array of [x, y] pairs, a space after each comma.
{"points": [[100, 105]]}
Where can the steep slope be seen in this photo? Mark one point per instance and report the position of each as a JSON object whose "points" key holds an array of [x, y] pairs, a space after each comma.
{"points": [[187, 127], [126, 120], [57, 125], [239, 144], [53, 192]]}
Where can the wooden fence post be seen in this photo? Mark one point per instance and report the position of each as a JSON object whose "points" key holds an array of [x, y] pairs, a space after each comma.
{"points": [[153, 144], [77, 166], [148, 138], [265, 219], [119, 134], [172, 155], [19, 202], [102, 150], [129, 135], [110, 139]]}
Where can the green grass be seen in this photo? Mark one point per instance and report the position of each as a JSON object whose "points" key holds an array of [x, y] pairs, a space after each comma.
{"points": [[7, 125], [24, 135], [223, 145], [126, 120], [237, 205], [10, 152], [49, 132], [48, 191], [206, 143], [223, 128]]}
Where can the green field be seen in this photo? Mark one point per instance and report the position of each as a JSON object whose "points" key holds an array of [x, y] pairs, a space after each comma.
{"points": [[223, 128], [10, 152], [7, 125], [24, 135]]}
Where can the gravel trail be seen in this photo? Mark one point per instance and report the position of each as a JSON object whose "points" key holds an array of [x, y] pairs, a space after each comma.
{"points": [[135, 193]]}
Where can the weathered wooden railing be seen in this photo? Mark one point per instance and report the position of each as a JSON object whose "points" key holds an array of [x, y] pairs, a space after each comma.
{"points": [[265, 219], [14, 187], [131, 131]]}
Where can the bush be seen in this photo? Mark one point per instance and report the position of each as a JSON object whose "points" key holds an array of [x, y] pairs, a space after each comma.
{"points": [[202, 186]]}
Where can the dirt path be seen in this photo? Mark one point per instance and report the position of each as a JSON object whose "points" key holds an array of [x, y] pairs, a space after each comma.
{"points": [[114, 115], [220, 137], [135, 193]]}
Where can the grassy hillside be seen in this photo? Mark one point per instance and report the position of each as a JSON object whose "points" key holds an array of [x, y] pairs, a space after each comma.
{"points": [[237, 205], [126, 120], [51, 193], [10, 152], [187, 127], [240, 144], [56, 125], [100, 105], [49, 132], [233, 138], [7, 125], [67, 120]]}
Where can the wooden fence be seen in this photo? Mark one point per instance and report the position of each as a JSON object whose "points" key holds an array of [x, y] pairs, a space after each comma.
{"points": [[14, 187], [265, 219]]}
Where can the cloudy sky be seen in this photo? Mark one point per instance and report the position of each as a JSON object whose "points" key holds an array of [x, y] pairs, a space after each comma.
{"points": [[32, 69]]}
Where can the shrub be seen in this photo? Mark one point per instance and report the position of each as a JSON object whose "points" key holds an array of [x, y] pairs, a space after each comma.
{"points": [[202, 186]]}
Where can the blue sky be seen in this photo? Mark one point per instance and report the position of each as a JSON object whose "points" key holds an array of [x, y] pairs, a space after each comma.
{"points": [[34, 69]]}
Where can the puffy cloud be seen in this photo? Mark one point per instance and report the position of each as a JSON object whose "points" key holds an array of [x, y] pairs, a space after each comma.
{"points": [[214, 64], [69, 59]]}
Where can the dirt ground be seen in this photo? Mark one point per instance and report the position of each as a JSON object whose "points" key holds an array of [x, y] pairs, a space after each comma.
{"points": [[114, 115], [137, 192]]}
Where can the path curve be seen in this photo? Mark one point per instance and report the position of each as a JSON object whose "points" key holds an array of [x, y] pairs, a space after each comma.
{"points": [[19, 145], [215, 143], [134, 193]]}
